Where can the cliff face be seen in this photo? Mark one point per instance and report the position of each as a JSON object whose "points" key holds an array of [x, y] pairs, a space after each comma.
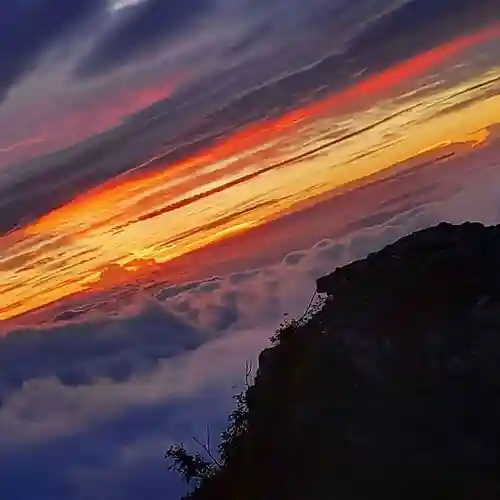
{"points": [[391, 389]]}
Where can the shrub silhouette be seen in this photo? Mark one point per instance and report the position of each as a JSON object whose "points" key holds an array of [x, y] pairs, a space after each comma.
{"points": [[190, 467]]}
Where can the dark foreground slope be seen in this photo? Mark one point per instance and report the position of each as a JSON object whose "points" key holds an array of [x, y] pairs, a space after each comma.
{"points": [[390, 390]]}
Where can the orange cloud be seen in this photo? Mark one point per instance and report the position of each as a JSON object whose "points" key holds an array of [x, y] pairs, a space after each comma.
{"points": [[258, 133], [112, 200]]}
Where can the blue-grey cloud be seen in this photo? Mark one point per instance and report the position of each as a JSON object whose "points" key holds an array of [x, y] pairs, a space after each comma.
{"points": [[89, 405], [123, 457], [80, 437], [29, 27], [78, 353], [143, 29], [419, 25], [194, 117]]}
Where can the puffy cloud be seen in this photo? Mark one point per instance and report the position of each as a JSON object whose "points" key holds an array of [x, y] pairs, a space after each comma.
{"points": [[46, 408], [78, 353], [107, 438]]}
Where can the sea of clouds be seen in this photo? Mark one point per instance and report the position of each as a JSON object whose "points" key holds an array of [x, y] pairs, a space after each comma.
{"points": [[88, 406]]}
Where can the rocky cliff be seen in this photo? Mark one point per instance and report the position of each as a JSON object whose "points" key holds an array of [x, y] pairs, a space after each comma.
{"points": [[389, 389]]}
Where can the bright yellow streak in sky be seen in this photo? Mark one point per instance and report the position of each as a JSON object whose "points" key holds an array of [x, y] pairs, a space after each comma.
{"points": [[124, 221]]}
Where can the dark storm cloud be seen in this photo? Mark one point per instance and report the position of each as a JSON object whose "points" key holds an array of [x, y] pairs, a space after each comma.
{"points": [[29, 27], [143, 29]]}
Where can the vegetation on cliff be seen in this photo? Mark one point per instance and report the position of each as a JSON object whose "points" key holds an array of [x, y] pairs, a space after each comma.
{"points": [[389, 388]]}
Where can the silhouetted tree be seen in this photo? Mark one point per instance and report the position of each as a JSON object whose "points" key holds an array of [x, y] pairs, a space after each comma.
{"points": [[198, 468], [192, 467]]}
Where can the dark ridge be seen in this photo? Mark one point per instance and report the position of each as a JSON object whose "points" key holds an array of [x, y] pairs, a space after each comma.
{"points": [[389, 389]]}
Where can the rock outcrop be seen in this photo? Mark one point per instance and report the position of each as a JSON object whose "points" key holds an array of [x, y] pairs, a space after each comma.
{"points": [[390, 390]]}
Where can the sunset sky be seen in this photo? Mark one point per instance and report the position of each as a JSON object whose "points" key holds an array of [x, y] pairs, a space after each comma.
{"points": [[172, 171], [256, 173]]}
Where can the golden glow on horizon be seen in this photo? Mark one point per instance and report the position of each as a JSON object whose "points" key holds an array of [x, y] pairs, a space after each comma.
{"points": [[245, 180], [476, 138], [261, 132]]}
